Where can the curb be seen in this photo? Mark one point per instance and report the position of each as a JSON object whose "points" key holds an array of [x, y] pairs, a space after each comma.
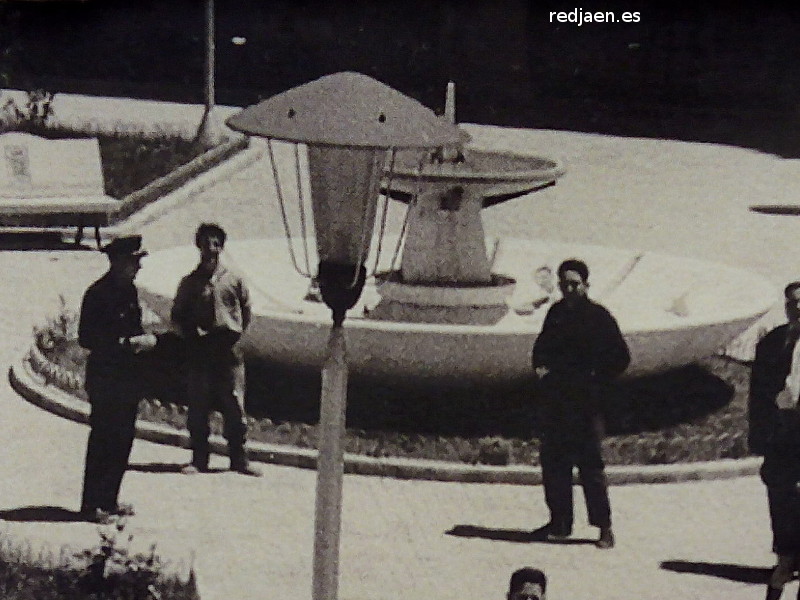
{"points": [[35, 390]]}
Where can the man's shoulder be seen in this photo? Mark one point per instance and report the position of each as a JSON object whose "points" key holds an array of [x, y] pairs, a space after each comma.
{"points": [[230, 275], [778, 334], [99, 286], [191, 276], [599, 309], [595, 305]]}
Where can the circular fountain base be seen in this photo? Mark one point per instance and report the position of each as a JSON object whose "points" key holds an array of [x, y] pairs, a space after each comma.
{"points": [[672, 311]]}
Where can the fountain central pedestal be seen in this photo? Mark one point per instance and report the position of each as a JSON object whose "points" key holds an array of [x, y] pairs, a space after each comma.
{"points": [[446, 274]]}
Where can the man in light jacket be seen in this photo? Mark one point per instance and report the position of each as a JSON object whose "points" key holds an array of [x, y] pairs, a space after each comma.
{"points": [[210, 312]]}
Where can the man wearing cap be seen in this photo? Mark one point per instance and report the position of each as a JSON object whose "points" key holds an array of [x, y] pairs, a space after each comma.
{"points": [[210, 312], [576, 355], [110, 327]]}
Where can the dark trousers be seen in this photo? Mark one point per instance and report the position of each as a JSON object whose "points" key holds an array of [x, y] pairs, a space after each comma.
{"points": [[781, 474], [784, 512], [217, 379], [572, 429], [559, 454], [114, 400]]}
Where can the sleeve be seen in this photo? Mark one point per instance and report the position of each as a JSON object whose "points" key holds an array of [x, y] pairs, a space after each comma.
{"points": [[179, 314], [761, 402], [89, 336], [612, 353], [96, 330], [541, 347], [246, 306]]}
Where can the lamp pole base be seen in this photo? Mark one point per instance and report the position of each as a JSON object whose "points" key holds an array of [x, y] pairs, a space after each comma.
{"points": [[330, 468]]}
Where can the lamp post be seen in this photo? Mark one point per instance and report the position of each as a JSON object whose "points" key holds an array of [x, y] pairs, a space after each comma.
{"points": [[210, 129], [349, 123]]}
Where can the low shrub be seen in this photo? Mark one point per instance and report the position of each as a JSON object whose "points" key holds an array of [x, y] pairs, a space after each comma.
{"points": [[130, 162], [494, 451], [107, 571], [694, 413], [30, 116]]}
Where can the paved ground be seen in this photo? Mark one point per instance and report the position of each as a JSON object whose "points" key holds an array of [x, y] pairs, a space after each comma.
{"points": [[253, 538]]}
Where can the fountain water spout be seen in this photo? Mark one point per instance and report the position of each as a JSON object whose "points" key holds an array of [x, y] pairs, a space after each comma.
{"points": [[446, 273]]}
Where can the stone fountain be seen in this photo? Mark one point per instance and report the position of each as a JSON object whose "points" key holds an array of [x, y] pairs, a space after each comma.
{"points": [[441, 306]]}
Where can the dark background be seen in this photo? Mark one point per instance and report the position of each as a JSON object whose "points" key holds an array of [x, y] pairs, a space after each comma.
{"points": [[718, 72]]}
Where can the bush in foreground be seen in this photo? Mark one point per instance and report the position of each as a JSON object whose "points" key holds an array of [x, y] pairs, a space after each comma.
{"points": [[107, 571]]}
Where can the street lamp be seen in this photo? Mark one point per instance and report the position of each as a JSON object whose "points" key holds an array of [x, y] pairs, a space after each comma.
{"points": [[351, 125], [210, 130]]}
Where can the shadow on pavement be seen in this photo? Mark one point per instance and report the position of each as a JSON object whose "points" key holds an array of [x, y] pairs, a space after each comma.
{"points": [[776, 209], [32, 514], [740, 573], [41, 240], [156, 467], [518, 536]]}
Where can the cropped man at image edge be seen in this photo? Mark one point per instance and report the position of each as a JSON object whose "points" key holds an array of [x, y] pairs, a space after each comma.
{"points": [[527, 583], [579, 351], [110, 327], [775, 433], [211, 310]]}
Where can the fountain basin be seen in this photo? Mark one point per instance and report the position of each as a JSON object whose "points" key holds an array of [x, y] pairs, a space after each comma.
{"points": [[493, 176], [672, 311]]}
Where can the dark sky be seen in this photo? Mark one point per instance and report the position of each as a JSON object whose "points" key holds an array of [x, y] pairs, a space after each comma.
{"points": [[702, 69]]}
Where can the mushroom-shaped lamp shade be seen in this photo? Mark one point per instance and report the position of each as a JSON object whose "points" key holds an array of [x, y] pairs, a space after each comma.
{"points": [[347, 121]]}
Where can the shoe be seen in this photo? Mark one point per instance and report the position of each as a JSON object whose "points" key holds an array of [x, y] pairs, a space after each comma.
{"points": [[552, 532], [193, 469], [774, 593], [557, 534], [124, 510], [247, 470], [97, 515], [606, 541]]}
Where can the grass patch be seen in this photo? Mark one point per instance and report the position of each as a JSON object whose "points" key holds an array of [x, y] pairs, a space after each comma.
{"points": [[130, 161]]}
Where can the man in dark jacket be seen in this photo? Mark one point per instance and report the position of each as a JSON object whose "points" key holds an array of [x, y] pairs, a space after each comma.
{"points": [[775, 434], [110, 327], [578, 352]]}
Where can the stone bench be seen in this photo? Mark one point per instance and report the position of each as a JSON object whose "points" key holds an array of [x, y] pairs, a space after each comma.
{"points": [[47, 213], [48, 183]]}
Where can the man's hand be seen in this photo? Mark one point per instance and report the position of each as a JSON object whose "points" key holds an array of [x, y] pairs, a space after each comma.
{"points": [[541, 372], [785, 400], [142, 343]]}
